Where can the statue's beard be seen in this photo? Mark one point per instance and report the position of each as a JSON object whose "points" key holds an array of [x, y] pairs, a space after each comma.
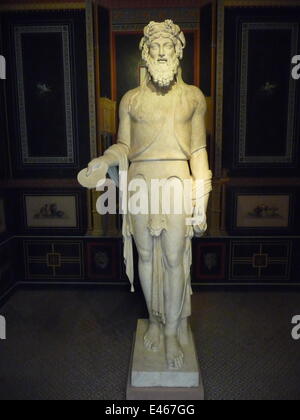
{"points": [[163, 73]]}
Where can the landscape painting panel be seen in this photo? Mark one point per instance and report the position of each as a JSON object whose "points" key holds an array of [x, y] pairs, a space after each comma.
{"points": [[51, 211], [263, 211]]}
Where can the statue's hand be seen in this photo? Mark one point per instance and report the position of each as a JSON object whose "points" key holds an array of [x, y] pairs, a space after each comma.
{"points": [[97, 164], [199, 215], [95, 173]]}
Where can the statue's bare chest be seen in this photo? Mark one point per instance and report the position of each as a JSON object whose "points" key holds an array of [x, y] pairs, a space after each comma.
{"points": [[156, 109]]}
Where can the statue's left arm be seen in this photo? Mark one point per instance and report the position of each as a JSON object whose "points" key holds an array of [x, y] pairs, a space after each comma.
{"points": [[199, 158]]}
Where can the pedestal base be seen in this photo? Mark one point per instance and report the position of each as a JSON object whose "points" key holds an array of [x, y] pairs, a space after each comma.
{"points": [[150, 379]]}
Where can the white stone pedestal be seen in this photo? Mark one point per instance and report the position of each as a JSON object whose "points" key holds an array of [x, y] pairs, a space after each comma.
{"points": [[150, 379]]}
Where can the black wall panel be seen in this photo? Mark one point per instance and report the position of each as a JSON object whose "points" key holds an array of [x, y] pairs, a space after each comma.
{"points": [[205, 50], [47, 92], [10, 261], [261, 100]]}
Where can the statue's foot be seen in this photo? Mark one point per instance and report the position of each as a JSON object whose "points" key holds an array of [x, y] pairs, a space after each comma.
{"points": [[174, 353], [183, 332], [152, 337]]}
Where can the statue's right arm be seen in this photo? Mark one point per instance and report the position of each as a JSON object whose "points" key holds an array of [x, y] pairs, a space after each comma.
{"points": [[109, 157]]}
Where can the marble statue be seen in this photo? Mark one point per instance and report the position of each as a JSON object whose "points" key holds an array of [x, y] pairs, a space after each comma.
{"points": [[161, 135]]}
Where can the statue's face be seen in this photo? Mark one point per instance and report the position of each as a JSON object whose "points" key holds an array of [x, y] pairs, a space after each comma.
{"points": [[162, 61], [162, 50]]}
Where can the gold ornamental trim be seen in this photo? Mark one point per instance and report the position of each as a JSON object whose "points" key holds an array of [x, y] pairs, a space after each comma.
{"points": [[41, 6], [107, 115], [261, 3]]}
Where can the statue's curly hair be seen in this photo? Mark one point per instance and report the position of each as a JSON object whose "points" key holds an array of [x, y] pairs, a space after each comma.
{"points": [[154, 29]]}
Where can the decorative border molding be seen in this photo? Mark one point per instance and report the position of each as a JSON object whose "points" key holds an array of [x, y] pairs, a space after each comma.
{"points": [[136, 19], [150, 4], [64, 31], [91, 77], [243, 158], [136, 27], [44, 260], [284, 260]]}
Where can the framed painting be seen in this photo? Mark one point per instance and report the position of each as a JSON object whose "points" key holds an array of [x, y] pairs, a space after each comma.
{"points": [[54, 212], [262, 211], [50, 211]]}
